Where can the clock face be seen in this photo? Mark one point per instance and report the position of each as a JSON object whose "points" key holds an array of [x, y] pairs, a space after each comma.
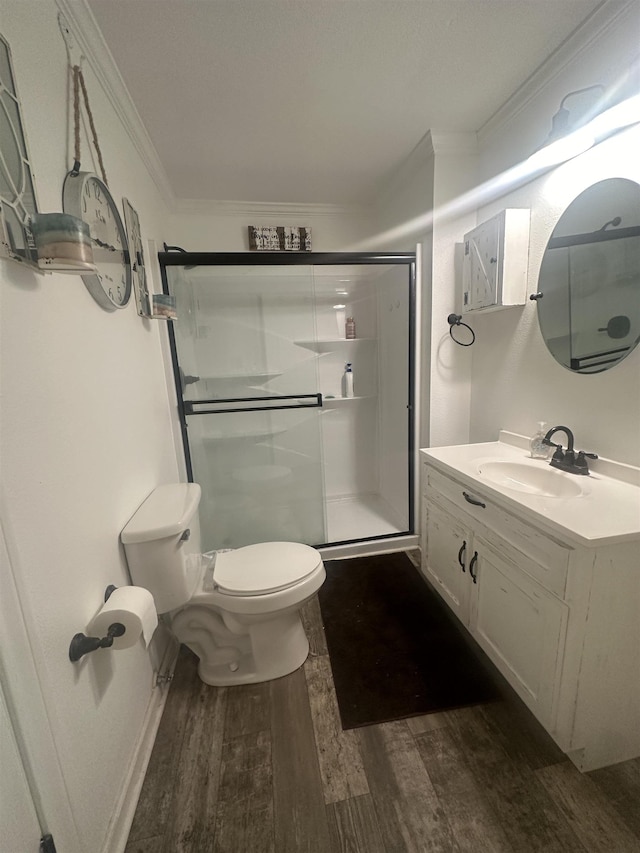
{"points": [[87, 197]]}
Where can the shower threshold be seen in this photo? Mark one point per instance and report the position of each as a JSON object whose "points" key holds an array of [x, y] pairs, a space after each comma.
{"points": [[361, 517]]}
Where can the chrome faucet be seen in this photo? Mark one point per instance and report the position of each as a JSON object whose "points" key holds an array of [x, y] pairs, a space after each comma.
{"points": [[567, 460]]}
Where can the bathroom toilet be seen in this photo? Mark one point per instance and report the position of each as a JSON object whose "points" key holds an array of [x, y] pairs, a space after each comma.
{"points": [[239, 610]]}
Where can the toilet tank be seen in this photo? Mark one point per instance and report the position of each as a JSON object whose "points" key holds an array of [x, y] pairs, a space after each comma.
{"points": [[162, 544]]}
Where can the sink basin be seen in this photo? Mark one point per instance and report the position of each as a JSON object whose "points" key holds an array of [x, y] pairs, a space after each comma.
{"points": [[545, 482]]}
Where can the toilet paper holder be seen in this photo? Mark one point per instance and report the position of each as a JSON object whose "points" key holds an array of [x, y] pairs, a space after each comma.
{"points": [[81, 644]]}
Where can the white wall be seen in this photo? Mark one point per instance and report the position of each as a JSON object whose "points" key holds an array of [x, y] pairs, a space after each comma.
{"points": [[515, 380], [450, 364], [404, 218], [420, 204], [222, 227], [85, 436]]}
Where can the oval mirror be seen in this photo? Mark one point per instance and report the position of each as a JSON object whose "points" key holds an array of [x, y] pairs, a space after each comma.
{"points": [[589, 286]]}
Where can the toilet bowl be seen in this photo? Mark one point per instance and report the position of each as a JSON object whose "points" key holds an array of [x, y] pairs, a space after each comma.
{"points": [[238, 610]]}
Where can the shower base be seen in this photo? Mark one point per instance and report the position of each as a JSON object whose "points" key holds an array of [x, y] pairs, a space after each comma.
{"points": [[360, 517]]}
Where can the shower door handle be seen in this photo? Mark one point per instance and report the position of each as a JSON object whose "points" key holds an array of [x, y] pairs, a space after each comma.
{"points": [[218, 405]]}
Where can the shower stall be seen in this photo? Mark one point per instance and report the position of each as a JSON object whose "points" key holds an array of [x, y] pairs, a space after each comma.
{"points": [[270, 431]]}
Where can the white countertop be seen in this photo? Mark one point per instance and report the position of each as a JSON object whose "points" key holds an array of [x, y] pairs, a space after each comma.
{"points": [[607, 512]]}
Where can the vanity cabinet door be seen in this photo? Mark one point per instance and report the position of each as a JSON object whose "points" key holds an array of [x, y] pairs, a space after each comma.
{"points": [[447, 553], [521, 627]]}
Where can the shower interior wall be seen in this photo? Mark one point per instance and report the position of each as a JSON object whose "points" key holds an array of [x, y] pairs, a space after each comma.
{"points": [[365, 440]]}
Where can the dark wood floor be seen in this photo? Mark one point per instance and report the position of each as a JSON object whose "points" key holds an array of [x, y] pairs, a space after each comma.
{"points": [[266, 768]]}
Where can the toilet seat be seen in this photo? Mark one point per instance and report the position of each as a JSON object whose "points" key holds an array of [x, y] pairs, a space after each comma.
{"points": [[264, 568]]}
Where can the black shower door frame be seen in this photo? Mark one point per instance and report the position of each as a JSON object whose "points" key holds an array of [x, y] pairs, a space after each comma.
{"points": [[174, 256]]}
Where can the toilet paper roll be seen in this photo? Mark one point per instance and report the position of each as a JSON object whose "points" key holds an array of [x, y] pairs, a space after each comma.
{"points": [[131, 606]]}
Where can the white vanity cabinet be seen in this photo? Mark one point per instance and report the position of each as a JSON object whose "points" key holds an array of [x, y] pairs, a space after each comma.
{"points": [[559, 621], [517, 622]]}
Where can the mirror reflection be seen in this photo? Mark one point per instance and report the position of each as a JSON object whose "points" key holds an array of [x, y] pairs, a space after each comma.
{"points": [[589, 307]]}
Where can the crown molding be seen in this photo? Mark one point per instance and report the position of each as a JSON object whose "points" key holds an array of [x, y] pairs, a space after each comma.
{"points": [[196, 206], [446, 142], [604, 17], [91, 45]]}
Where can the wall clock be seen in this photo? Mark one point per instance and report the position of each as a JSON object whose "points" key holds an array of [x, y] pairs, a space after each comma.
{"points": [[86, 196], [138, 271]]}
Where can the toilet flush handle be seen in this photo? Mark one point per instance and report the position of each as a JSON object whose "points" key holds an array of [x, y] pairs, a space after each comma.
{"points": [[186, 535]]}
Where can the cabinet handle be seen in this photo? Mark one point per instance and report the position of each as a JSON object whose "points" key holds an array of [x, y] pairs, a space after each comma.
{"points": [[469, 499], [460, 553], [474, 560]]}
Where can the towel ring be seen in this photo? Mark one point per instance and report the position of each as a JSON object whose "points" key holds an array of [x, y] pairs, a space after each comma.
{"points": [[456, 320]]}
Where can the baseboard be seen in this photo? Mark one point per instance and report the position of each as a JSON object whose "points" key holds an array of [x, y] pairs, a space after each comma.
{"points": [[125, 809]]}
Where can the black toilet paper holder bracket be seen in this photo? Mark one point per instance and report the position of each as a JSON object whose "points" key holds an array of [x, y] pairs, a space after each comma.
{"points": [[81, 644]]}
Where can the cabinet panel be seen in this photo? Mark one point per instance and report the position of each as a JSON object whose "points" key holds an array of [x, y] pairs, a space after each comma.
{"points": [[446, 555], [481, 248], [521, 627], [549, 559], [494, 265]]}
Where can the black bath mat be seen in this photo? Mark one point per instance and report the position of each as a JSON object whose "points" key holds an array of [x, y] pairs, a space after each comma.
{"points": [[395, 650]]}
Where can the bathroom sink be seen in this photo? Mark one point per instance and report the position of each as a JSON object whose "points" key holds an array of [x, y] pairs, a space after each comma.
{"points": [[530, 479]]}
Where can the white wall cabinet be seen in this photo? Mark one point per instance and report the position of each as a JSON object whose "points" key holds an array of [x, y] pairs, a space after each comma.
{"points": [[495, 261], [554, 618]]}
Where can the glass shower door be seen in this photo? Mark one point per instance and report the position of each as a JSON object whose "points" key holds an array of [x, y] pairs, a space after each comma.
{"points": [[251, 401]]}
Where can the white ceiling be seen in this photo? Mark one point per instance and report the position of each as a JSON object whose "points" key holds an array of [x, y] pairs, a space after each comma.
{"points": [[316, 101]]}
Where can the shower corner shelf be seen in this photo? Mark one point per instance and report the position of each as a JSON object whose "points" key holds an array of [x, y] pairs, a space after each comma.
{"points": [[328, 345], [328, 401], [257, 435], [244, 378]]}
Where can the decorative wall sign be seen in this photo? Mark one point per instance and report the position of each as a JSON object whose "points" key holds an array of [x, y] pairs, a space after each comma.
{"points": [[279, 238], [17, 193], [138, 271]]}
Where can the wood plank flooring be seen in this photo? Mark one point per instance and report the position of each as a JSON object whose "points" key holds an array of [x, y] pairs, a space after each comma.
{"points": [[266, 768]]}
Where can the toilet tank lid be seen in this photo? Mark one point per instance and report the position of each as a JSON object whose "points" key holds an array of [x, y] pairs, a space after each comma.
{"points": [[168, 510]]}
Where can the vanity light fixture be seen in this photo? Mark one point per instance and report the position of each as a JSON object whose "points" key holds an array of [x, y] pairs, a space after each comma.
{"points": [[568, 119], [570, 137]]}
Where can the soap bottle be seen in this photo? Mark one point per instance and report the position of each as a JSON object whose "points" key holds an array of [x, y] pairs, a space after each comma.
{"points": [[350, 329], [538, 449], [348, 381]]}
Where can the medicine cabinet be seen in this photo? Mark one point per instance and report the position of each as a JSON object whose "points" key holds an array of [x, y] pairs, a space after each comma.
{"points": [[494, 263]]}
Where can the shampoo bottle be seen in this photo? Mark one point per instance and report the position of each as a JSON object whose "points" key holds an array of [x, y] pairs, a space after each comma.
{"points": [[350, 329], [348, 381], [538, 449]]}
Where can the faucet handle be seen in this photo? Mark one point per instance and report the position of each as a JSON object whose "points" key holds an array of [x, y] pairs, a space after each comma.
{"points": [[581, 461], [558, 455]]}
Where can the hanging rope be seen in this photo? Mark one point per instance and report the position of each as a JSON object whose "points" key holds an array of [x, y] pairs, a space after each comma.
{"points": [[78, 83]]}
